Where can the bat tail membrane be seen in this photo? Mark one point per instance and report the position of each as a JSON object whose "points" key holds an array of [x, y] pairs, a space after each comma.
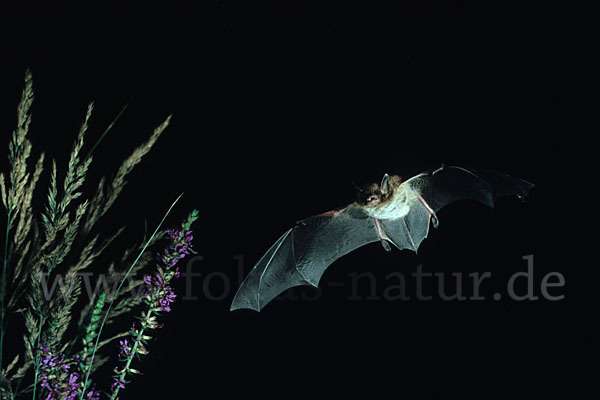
{"points": [[409, 231], [451, 183], [273, 273]]}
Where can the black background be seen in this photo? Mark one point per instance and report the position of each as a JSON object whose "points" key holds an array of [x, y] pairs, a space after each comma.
{"points": [[277, 107]]}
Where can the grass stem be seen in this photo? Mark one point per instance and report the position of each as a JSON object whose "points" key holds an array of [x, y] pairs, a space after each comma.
{"points": [[3, 288]]}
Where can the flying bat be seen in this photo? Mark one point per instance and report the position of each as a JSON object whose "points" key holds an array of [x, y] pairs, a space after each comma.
{"points": [[393, 212]]}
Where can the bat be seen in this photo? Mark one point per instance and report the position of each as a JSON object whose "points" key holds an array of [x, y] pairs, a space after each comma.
{"points": [[393, 212]]}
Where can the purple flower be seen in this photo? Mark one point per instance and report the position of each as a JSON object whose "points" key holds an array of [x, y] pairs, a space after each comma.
{"points": [[167, 297], [124, 350], [72, 386], [157, 289], [93, 394], [118, 383], [159, 293], [55, 376], [181, 243], [50, 371]]}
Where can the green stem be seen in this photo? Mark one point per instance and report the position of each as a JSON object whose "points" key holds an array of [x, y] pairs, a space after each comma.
{"points": [[136, 343], [106, 131], [36, 350], [3, 288], [37, 359], [116, 293]]}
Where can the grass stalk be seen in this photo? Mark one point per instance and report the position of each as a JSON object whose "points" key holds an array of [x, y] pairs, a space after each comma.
{"points": [[3, 288], [37, 359], [108, 128]]}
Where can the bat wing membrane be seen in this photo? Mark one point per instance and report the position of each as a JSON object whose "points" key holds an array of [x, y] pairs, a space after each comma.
{"points": [[449, 184], [302, 254]]}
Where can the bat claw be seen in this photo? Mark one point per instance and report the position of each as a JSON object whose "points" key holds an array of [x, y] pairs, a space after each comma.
{"points": [[435, 221]]}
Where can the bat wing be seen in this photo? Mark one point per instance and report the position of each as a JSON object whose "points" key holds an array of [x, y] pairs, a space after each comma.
{"points": [[302, 254], [451, 183], [441, 187]]}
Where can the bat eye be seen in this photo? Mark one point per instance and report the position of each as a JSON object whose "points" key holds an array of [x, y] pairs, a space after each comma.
{"points": [[372, 198]]}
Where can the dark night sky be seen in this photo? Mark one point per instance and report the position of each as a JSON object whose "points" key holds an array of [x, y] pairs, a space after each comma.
{"points": [[277, 107]]}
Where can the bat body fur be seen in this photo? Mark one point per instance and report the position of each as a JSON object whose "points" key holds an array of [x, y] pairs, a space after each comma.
{"points": [[396, 205]]}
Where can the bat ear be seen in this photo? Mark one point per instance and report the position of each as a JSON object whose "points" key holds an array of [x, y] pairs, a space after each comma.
{"points": [[385, 184]]}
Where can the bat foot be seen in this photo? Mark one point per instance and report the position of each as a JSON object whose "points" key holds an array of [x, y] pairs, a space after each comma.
{"points": [[386, 245], [384, 239], [434, 219]]}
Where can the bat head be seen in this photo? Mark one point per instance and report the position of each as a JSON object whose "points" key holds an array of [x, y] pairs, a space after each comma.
{"points": [[375, 194]]}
